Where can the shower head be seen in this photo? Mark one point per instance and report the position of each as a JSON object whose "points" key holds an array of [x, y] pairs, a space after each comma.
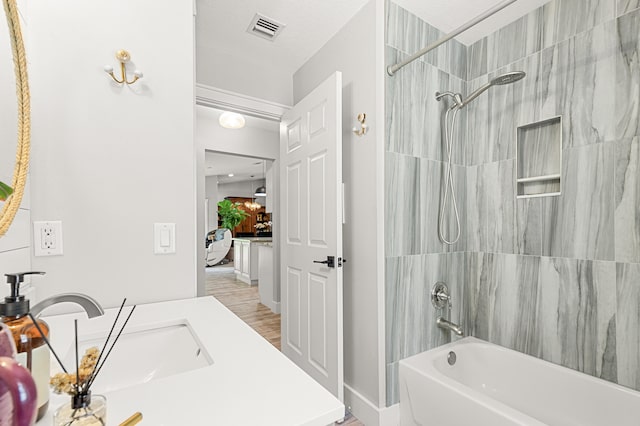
{"points": [[507, 78], [510, 77]]}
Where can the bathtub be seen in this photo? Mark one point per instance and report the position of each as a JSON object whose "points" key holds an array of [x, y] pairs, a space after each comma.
{"points": [[494, 386]]}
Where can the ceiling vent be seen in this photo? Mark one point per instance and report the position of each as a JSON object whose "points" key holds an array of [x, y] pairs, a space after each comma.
{"points": [[264, 27]]}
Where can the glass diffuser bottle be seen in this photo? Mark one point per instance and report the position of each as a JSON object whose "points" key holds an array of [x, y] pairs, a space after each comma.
{"points": [[83, 410]]}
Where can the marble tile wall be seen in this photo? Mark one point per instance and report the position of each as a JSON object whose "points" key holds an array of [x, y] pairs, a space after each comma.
{"points": [[558, 309], [409, 310], [557, 277], [624, 6], [554, 277], [415, 168], [407, 34]]}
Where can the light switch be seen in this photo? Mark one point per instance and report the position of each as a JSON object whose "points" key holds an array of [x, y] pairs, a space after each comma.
{"points": [[164, 238]]}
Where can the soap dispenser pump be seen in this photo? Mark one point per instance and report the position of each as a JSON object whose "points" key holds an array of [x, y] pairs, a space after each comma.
{"points": [[33, 352]]}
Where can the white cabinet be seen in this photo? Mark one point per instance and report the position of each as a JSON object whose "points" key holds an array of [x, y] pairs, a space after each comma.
{"points": [[245, 269], [245, 261], [237, 256]]}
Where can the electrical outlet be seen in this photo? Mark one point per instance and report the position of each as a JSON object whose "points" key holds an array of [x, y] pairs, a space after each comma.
{"points": [[47, 238]]}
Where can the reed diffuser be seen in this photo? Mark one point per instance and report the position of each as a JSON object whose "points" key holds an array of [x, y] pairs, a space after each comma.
{"points": [[86, 409]]}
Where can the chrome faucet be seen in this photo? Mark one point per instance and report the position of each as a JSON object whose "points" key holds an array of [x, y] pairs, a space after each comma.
{"points": [[448, 325], [89, 304], [441, 299]]}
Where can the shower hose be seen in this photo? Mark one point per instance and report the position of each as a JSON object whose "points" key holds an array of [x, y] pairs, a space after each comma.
{"points": [[449, 132]]}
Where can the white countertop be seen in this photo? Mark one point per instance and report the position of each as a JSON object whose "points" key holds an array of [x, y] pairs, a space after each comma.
{"points": [[254, 239], [249, 383]]}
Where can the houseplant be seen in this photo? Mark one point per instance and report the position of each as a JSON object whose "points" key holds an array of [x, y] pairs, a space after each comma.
{"points": [[231, 214]]}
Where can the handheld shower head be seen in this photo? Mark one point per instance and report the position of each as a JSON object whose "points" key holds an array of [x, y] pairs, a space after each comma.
{"points": [[507, 78]]}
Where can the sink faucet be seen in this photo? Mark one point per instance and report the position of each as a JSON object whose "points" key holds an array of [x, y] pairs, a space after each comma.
{"points": [[448, 325], [89, 304]]}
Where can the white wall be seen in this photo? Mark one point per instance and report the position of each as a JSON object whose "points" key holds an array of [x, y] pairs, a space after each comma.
{"points": [[239, 73], [15, 244], [211, 194], [109, 161], [356, 52], [250, 141]]}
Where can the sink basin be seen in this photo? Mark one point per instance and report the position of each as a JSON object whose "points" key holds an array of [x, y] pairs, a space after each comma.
{"points": [[143, 354]]}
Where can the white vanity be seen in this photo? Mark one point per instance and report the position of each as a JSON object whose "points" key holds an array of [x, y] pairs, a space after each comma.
{"points": [[203, 366]]}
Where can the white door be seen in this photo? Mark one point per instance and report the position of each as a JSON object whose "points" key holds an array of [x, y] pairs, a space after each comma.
{"points": [[311, 206]]}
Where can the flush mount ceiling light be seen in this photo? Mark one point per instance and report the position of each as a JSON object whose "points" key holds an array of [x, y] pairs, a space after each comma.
{"points": [[231, 120]]}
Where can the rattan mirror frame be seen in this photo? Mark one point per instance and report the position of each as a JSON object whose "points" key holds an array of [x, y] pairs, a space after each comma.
{"points": [[12, 204]]}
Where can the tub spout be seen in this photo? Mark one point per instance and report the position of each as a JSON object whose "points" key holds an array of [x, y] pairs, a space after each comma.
{"points": [[89, 304], [448, 325]]}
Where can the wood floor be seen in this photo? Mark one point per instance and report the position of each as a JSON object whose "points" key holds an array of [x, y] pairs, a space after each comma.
{"points": [[244, 301]]}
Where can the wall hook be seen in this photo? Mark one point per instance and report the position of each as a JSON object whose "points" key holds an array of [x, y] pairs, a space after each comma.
{"points": [[363, 127], [123, 57]]}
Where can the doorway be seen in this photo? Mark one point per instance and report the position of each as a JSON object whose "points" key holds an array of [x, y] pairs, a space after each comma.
{"points": [[239, 170]]}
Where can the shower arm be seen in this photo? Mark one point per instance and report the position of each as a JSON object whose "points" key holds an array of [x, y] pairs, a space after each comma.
{"points": [[392, 69], [475, 94]]}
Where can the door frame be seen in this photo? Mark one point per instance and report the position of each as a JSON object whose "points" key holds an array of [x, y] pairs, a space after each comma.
{"points": [[212, 97]]}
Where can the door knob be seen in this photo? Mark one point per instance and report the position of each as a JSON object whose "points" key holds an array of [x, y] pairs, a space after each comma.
{"points": [[330, 262]]}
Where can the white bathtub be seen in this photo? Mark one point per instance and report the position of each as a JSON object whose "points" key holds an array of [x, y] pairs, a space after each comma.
{"points": [[494, 386]]}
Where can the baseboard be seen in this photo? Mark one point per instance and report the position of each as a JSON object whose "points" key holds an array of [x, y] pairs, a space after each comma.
{"points": [[275, 307], [390, 416], [367, 412]]}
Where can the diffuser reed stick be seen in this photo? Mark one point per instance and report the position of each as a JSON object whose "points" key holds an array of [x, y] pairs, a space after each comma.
{"points": [[108, 337], [99, 367], [33, 320], [75, 324]]}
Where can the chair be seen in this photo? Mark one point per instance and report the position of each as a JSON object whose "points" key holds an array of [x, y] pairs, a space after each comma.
{"points": [[219, 245]]}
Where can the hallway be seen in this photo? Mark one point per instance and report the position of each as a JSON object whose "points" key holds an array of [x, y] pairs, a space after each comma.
{"points": [[244, 301]]}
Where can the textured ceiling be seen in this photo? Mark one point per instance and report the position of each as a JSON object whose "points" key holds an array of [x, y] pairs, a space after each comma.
{"points": [[309, 25], [242, 168]]}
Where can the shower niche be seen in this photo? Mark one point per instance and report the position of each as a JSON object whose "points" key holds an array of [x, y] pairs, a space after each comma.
{"points": [[539, 158]]}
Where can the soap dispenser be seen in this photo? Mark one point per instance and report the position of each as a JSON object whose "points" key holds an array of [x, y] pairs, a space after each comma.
{"points": [[33, 353]]}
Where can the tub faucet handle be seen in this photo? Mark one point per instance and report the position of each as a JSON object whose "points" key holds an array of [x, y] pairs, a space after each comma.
{"points": [[440, 295]]}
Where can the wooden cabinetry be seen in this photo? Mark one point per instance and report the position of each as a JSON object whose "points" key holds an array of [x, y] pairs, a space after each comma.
{"points": [[247, 227]]}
